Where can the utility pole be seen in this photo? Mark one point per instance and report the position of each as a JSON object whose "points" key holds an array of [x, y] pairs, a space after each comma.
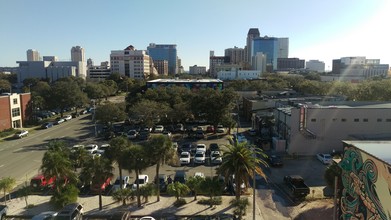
{"points": [[335, 198]]}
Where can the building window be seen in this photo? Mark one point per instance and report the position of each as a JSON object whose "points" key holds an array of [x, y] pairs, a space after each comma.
{"points": [[356, 120], [365, 119], [15, 101], [313, 119], [379, 120], [15, 112], [388, 120], [343, 119]]}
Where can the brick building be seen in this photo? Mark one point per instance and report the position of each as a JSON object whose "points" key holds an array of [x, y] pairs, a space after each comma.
{"points": [[14, 110]]}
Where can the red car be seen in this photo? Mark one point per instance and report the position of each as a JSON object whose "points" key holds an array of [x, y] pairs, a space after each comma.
{"points": [[39, 182], [95, 187], [210, 129]]}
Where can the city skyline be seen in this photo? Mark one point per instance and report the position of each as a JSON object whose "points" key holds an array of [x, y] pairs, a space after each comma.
{"points": [[316, 30]]}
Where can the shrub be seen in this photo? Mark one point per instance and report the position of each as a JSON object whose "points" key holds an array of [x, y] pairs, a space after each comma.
{"points": [[179, 202]]}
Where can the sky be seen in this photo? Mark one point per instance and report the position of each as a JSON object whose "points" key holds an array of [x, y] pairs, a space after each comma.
{"points": [[320, 30]]}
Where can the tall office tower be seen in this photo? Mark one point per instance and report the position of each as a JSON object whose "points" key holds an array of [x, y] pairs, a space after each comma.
{"points": [[165, 52], [132, 63], [236, 55], [283, 47], [259, 62], [33, 55], [269, 46], [77, 54], [90, 62], [252, 33]]}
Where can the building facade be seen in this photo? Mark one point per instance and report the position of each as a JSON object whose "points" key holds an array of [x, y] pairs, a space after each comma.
{"points": [[315, 65], [283, 47], [215, 61], [290, 64], [236, 55], [192, 84], [309, 129], [259, 62], [165, 52], [99, 73], [359, 67], [135, 64], [366, 180], [197, 70], [161, 66], [33, 55], [237, 74], [252, 34], [268, 46], [14, 110]]}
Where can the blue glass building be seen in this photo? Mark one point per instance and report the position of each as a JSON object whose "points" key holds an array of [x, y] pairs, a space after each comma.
{"points": [[165, 52], [268, 46]]}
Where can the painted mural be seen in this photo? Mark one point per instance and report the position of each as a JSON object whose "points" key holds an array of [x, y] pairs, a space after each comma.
{"points": [[366, 186]]}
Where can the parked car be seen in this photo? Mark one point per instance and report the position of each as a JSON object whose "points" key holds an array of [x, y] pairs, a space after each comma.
{"points": [[296, 185], [91, 148], [144, 135], [325, 158], [201, 147], [185, 148], [39, 182], [101, 150], [67, 117], [162, 180], [59, 121], [200, 134], [132, 134], [83, 112], [76, 147], [48, 215], [199, 157], [125, 182], [220, 129], [75, 114], [3, 211], [184, 158], [142, 181], [200, 174], [159, 129], [214, 147], [210, 129], [216, 157], [21, 134], [47, 125], [73, 211], [275, 160], [98, 185], [180, 176], [179, 128]]}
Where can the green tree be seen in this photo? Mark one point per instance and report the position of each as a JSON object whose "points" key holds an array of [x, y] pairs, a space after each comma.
{"points": [[94, 91], [178, 190], [240, 160], [148, 190], [159, 149], [212, 187], [149, 110], [5, 86], [123, 195], [79, 157], [110, 112], [66, 195], [96, 171], [194, 183], [241, 206], [6, 185]]}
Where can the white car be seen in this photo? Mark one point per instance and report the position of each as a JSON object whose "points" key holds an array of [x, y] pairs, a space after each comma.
{"points": [[325, 158], [45, 215], [76, 147], [21, 134], [101, 150], [216, 157], [201, 147], [91, 148], [125, 182], [67, 117], [202, 175], [142, 181], [199, 157], [184, 158], [220, 129], [159, 128]]}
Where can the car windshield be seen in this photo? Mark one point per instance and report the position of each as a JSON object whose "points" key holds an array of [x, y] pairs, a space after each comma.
{"points": [[199, 155], [184, 155], [117, 182], [215, 155], [327, 157], [90, 147], [140, 181]]}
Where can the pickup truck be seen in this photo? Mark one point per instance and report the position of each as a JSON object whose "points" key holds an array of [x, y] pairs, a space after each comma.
{"points": [[3, 211], [297, 186]]}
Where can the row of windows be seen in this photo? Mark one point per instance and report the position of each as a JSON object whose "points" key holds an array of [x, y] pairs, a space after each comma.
{"points": [[357, 120]]}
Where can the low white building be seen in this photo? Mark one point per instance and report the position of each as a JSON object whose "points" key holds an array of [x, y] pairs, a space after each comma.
{"points": [[237, 74], [309, 129], [315, 65], [197, 70]]}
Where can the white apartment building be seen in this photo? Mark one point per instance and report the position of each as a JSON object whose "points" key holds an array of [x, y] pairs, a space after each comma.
{"points": [[47, 69], [33, 55], [259, 62], [308, 129], [237, 74], [133, 63], [197, 70], [315, 65]]}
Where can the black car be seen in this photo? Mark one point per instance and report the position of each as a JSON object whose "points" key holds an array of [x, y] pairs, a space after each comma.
{"points": [[185, 147], [180, 176], [275, 160], [162, 179], [47, 125]]}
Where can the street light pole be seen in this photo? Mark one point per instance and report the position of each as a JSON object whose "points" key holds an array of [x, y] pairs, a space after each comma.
{"points": [[96, 133]]}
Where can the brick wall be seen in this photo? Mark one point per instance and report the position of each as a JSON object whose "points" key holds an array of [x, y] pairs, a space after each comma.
{"points": [[5, 113]]}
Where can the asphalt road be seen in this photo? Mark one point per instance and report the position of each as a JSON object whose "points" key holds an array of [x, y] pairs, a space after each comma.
{"points": [[21, 158]]}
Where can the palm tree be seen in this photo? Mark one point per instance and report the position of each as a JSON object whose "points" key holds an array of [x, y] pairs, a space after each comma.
{"points": [[178, 190], [137, 160], [96, 171], [6, 184], [212, 186], [78, 157], [242, 162], [159, 149]]}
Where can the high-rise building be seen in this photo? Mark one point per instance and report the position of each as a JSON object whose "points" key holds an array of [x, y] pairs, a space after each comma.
{"points": [[132, 63], [236, 55], [290, 64], [98, 73], [33, 55], [359, 67], [252, 33], [77, 54], [161, 66], [315, 65], [268, 46], [259, 62], [215, 61], [283, 47], [165, 52]]}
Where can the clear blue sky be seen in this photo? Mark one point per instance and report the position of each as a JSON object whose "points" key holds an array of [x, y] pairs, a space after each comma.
{"points": [[322, 30]]}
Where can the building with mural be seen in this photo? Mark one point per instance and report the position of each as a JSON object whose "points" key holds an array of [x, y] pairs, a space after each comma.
{"points": [[366, 180]]}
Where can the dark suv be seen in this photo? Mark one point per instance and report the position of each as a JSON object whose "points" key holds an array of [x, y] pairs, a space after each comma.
{"points": [[73, 211], [180, 176]]}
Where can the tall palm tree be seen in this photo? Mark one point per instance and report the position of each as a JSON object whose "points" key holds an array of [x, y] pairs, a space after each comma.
{"points": [[96, 171], [78, 157], [6, 184], [138, 161], [159, 150], [241, 160]]}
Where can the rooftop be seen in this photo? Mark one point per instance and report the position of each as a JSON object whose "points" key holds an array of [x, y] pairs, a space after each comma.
{"points": [[378, 149]]}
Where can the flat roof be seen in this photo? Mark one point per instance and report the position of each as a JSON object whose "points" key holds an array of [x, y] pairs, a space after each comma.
{"points": [[378, 149], [184, 81]]}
